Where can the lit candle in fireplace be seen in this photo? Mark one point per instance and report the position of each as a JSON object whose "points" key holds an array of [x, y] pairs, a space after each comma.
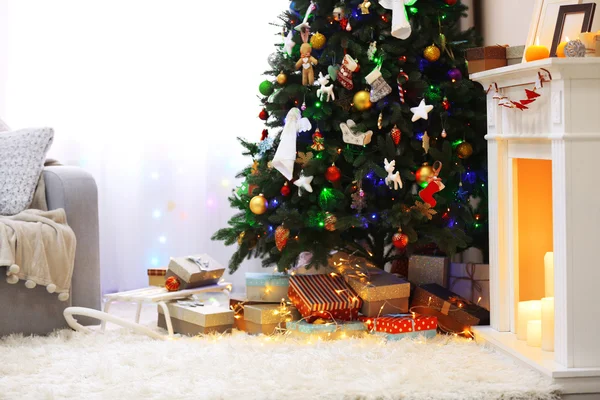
{"points": [[549, 274], [534, 333], [527, 311], [548, 323]]}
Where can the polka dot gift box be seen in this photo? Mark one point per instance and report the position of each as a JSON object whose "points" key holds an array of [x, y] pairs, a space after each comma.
{"points": [[401, 326], [324, 296]]}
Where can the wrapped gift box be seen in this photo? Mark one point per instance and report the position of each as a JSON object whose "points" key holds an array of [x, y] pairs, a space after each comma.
{"points": [[400, 326], [471, 281], [380, 291], [514, 55], [485, 58], [192, 321], [454, 313], [237, 303], [324, 296], [191, 274], [328, 330], [428, 269], [266, 318], [156, 276], [269, 288]]}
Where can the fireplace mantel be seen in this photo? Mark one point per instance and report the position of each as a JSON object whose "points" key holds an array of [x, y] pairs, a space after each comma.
{"points": [[562, 125]]}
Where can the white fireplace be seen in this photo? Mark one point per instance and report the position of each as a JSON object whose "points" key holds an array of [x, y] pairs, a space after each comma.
{"points": [[544, 196]]}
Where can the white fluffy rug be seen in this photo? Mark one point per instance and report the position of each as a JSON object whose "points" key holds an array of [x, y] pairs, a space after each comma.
{"points": [[122, 365]]}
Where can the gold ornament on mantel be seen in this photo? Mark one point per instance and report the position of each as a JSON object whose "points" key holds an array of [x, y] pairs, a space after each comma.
{"points": [[432, 53], [281, 78], [362, 100], [259, 204]]}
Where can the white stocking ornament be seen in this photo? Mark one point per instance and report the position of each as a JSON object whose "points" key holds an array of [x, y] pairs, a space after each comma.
{"points": [[400, 25], [285, 156]]}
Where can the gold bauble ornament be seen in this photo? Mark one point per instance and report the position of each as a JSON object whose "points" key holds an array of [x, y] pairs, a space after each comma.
{"points": [[423, 174], [317, 41], [432, 53], [281, 78], [258, 204], [464, 150], [330, 221], [362, 100]]}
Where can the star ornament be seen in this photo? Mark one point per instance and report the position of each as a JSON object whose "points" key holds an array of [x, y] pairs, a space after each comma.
{"points": [[304, 183], [288, 43], [420, 111]]}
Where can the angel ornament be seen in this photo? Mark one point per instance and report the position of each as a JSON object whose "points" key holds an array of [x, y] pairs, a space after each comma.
{"points": [[392, 177], [285, 156]]}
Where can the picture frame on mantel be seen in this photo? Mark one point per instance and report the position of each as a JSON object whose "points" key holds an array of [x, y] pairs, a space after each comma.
{"points": [[572, 20], [543, 21]]}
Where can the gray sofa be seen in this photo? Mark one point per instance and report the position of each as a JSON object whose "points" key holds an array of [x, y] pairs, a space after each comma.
{"points": [[35, 311]]}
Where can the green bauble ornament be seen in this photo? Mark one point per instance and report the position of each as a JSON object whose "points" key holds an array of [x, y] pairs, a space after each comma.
{"points": [[265, 88]]}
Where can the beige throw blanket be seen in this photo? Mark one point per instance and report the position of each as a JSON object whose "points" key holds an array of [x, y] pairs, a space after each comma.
{"points": [[39, 248]]}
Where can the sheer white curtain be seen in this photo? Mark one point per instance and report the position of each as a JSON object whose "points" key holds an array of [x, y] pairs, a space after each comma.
{"points": [[149, 96]]}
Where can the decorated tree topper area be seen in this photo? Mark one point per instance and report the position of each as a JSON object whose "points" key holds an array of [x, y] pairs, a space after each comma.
{"points": [[362, 102]]}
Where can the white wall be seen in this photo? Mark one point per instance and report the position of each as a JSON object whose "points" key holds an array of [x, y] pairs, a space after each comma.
{"points": [[149, 96], [506, 21]]}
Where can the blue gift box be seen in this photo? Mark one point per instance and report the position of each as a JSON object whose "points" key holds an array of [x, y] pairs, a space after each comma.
{"points": [[429, 334], [266, 287], [329, 330]]}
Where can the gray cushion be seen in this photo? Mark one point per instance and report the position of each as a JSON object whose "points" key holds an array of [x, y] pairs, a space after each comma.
{"points": [[22, 156]]}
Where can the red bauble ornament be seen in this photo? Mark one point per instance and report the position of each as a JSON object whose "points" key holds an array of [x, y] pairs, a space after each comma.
{"points": [[282, 235], [450, 2], [263, 115], [446, 104], [333, 174], [172, 284], [400, 240], [285, 190], [396, 135], [264, 134]]}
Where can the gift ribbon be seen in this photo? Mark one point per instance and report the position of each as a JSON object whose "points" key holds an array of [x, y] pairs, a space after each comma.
{"points": [[475, 283], [436, 173]]}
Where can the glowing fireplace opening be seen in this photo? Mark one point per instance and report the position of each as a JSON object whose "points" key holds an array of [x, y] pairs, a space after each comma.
{"points": [[532, 213]]}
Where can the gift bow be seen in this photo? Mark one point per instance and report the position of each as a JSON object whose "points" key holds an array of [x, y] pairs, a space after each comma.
{"points": [[475, 283], [400, 25]]}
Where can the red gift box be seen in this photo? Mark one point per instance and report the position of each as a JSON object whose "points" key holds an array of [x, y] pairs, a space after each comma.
{"points": [[323, 296], [395, 324]]}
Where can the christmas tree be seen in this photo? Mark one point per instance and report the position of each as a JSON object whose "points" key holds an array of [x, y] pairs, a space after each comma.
{"points": [[373, 141]]}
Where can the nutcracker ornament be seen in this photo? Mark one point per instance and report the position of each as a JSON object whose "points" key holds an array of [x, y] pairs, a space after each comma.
{"points": [[306, 63], [344, 76]]}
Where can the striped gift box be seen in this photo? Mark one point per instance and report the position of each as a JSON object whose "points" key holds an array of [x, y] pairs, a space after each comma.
{"points": [[324, 296]]}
